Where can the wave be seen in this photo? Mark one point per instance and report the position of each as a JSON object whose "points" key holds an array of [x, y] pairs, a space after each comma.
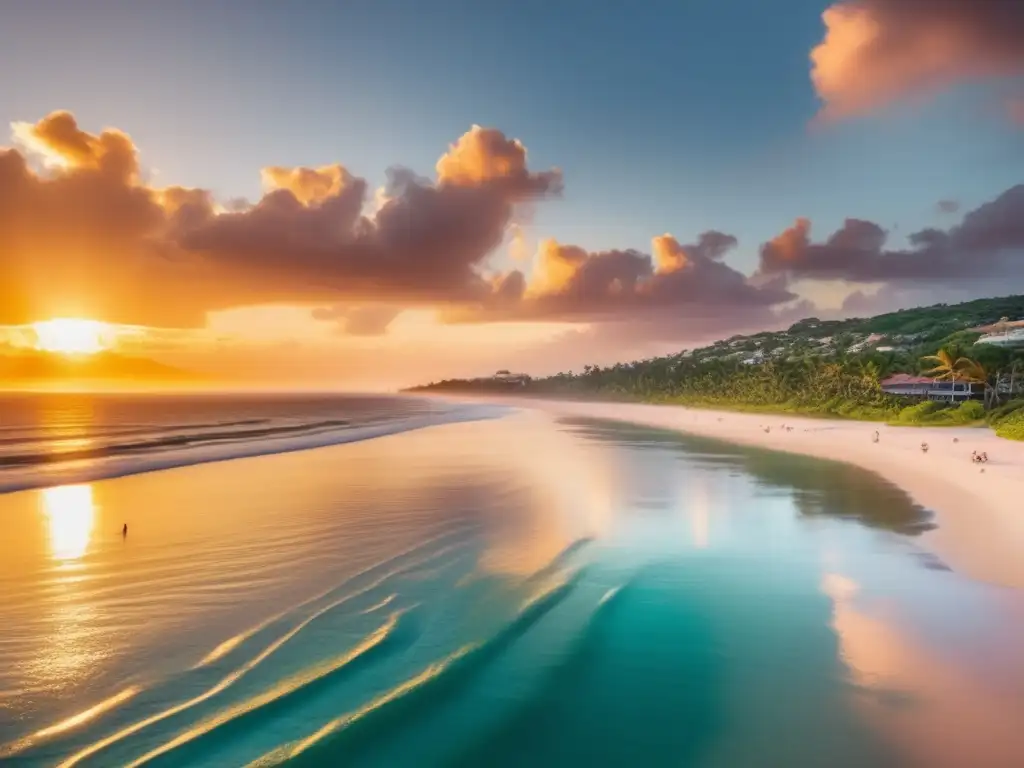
{"points": [[438, 682], [35, 436], [559, 561], [43, 469], [349, 590], [252, 713], [192, 437]]}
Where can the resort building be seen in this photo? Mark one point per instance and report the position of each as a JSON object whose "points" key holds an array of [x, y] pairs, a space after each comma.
{"points": [[905, 385], [1005, 333], [520, 379]]}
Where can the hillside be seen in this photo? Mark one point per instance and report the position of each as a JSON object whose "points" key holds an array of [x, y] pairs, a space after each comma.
{"points": [[823, 367]]}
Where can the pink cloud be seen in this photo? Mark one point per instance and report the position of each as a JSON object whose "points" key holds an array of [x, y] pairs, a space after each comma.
{"points": [[877, 52]]}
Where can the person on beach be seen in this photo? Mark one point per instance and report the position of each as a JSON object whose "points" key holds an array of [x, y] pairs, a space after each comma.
{"points": [[924, 447], [124, 531], [874, 436]]}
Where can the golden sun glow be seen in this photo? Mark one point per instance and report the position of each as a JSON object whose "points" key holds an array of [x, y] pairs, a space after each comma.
{"points": [[72, 336], [70, 514]]}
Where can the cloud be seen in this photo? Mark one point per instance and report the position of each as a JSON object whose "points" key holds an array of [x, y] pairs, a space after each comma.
{"points": [[87, 235], [987, 244], [948, 207], [877, 52], [84, 235], [676, 288], [369, 320]]}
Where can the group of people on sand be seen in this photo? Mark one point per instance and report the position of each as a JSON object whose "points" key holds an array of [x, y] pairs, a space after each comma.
{"points": [[976, 456]]}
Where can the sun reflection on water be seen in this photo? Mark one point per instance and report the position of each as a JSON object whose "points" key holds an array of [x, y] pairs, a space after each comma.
{"points": [[71, 515]]}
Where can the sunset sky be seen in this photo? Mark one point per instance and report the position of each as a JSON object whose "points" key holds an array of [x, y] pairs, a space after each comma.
{"points": [[371, 194]]}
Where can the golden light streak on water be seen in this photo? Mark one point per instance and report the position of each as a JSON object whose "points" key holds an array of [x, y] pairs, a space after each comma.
{"points": [[72, 722], [70, 513]]}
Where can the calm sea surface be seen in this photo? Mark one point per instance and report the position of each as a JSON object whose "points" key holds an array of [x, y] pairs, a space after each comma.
{"points": [[477, 588], [55, 438]]}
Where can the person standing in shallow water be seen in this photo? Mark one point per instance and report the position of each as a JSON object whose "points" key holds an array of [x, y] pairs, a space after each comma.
{"points": [[124, 531]]}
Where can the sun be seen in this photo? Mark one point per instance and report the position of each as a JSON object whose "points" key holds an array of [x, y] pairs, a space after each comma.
{"points": [[71, 336]]}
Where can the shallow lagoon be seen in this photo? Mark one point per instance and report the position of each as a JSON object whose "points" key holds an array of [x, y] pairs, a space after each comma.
{"points": [[504, 592]]}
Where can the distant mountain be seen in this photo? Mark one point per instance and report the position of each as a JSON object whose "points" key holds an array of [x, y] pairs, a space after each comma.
{"points": [[20, 367]]}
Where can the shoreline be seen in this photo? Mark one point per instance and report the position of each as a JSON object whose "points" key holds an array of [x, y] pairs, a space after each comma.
{"points": [[979, 515]]}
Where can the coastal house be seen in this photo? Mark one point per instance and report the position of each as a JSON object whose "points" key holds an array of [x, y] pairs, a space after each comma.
{"points": [[870, 341], [507, 377], [1005, 333], [905, 385]]}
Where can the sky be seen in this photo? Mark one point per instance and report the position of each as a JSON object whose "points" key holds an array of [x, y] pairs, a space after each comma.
{"points": [[372, 194]]}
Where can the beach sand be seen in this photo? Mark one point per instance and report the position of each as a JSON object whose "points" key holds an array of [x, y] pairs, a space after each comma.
{"points": [[980, 514]]}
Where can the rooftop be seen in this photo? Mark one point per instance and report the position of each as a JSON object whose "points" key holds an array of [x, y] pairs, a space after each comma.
{"points": [[905, 378]]}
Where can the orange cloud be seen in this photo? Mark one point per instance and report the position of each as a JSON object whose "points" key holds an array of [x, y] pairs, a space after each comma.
{"points": [[85, 235], [556, 267], [876, 52], [678, 284], [668, 254], [485, 155], [307, 185], [58, 139]]}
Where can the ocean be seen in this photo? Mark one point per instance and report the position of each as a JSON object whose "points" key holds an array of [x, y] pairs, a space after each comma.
{"points": [[50, 438], [386, 581]]}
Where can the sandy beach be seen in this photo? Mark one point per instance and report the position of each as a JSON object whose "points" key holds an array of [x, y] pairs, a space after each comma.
{"points": [[980, 514]]}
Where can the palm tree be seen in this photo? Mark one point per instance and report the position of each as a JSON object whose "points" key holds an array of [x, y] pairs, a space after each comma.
{"points": [[946, 368], [974, 372]]}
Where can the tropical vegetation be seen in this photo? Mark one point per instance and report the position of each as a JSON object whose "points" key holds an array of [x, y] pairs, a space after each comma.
{"points": [[825, 368]]}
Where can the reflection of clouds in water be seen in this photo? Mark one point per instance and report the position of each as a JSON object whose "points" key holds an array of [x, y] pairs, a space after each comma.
{"points": [[929, 706], [570, 491], [700, 513], [818, 488]]}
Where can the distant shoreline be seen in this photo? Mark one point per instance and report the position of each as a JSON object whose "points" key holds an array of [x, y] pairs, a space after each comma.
{"points": [[765, 411], [980, 517]]}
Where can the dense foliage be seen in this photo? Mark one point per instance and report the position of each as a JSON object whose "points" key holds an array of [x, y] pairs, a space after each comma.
{"points": [[829, 368]]}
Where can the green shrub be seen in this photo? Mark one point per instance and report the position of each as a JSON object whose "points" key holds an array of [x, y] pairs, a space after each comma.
{"points": [[1012, 427], [847, 407], [922, 413], [996, 415], [969, 410]]}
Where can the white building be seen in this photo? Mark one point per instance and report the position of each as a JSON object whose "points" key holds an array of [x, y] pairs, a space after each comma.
{"points": [[1012, 338]]}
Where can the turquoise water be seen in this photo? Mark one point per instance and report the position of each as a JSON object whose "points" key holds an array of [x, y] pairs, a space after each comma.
{"points": [[499, 593]]}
